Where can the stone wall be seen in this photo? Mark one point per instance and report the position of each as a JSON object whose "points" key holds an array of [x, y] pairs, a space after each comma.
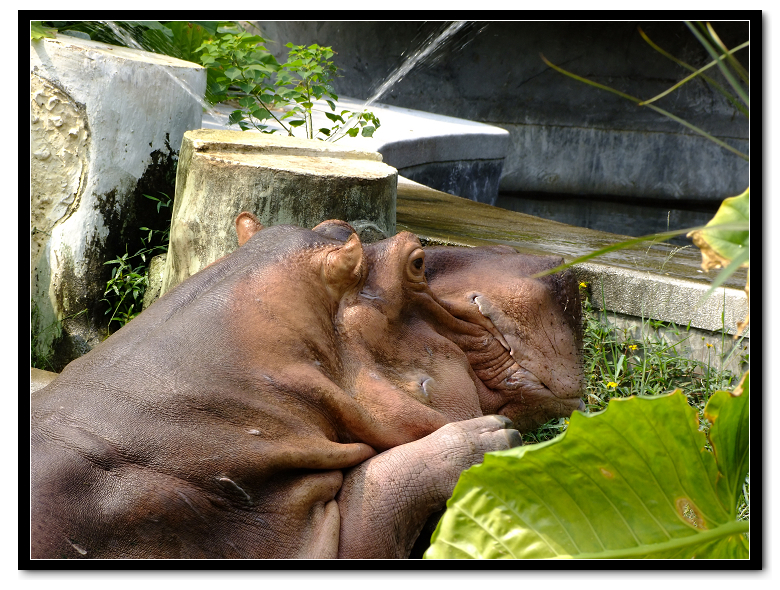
{"points": [[566, 137], [106, 127]]}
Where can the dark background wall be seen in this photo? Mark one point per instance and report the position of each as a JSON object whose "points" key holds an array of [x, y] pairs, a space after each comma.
{"points": [[566, 137]]}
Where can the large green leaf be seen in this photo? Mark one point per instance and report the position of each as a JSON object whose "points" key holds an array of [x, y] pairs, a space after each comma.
{"points": [[634, 481], [729, 435]]}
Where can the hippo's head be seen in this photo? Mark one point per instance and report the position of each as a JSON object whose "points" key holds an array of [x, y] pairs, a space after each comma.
{"points": [[447, 333], [538, 376]]}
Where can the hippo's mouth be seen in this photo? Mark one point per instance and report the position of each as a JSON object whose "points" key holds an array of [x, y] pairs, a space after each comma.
{"points": [[521, 389]]}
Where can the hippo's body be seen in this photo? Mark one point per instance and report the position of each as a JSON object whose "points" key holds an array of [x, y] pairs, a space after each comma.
{"points": [[305, 396]]}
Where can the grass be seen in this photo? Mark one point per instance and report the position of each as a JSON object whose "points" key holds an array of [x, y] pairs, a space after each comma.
{"points": [[617, 364]]}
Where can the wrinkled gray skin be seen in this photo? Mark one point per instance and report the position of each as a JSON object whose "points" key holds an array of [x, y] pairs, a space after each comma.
{"points": [[302, 397]]}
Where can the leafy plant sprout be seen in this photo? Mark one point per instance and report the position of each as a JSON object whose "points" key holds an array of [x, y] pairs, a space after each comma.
{"points": [[240, 71], [125, 289], [243, 72]]}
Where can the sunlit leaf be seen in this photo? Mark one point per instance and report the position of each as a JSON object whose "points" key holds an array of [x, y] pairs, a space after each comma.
{"points": [[38, 31], [729, 434], [719, 246], [633, 481], [233, 73]]}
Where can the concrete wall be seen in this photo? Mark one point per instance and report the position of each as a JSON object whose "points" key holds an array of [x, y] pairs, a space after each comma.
{"points": [[566, 137], [106, 126]]}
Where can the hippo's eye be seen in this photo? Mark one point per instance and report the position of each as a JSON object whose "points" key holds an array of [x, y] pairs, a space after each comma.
{"points": [[415, 268]]}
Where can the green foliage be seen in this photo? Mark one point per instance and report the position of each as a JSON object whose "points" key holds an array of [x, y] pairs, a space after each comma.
{"points": [[125, 289], [730, 244], [633, 481], [38, 30], [725, 241], [243, 71], [617, 364]]}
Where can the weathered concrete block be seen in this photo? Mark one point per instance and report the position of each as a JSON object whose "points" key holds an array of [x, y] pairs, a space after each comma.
{"points": [[105, 122], [282, 180]]}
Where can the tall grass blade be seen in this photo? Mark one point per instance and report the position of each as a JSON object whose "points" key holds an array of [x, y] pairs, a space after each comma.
{"points": [[692, 76], [726, 72], [738, 68], [627, 243], [651, 106], [731, 98]]}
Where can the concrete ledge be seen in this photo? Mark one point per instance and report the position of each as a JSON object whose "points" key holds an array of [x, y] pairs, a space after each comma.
{"points": [[446, 153], [646, 294]]}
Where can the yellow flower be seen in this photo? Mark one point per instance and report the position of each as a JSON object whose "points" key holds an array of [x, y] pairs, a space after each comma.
{"points": [[632, 347], [709, 345], [583, 285], [612, 384]]}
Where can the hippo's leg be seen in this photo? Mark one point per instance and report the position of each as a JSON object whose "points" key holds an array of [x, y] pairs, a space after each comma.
{"points": [[385, 501]]}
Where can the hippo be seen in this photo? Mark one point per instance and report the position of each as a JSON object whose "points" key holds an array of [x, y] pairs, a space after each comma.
{"points": [[307, 396]]}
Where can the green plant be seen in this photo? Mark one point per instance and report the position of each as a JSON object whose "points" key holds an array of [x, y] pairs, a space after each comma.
{"points": [[125, 289], [244, 71], [38, 30], [638, 480], [240, 70]]}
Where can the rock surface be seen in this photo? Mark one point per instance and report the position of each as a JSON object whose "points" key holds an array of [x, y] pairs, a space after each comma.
{"points": [[106, 126]]}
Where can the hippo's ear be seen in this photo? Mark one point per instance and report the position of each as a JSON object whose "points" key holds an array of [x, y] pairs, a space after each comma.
{"points": [[247, 225], [344, 267], [335, 228]]}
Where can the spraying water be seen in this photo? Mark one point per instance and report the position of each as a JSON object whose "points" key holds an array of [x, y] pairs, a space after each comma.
{"points": [[411, 61], [414, 58]]}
